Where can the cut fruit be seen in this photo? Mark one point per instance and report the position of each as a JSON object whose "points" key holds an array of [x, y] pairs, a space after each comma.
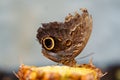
{"points": [[81, 72]]}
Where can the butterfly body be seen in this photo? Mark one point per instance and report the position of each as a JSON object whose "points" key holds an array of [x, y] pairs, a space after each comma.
{"points": [[62, 42]]}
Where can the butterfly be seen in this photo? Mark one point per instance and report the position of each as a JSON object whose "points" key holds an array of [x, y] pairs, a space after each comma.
{"points": [[63, 41]]}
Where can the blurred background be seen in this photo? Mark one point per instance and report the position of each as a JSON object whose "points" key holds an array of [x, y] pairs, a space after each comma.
{"points": [[20, 19]]}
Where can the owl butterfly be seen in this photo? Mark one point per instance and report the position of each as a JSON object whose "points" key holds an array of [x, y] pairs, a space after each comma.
{"points": [[63, 41]]}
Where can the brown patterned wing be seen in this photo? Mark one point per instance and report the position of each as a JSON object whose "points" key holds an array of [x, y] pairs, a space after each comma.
{"points": [[62, 42]]}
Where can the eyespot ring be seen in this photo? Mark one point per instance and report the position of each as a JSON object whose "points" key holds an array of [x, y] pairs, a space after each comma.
{"points": [[68, 43], [48, 43]]}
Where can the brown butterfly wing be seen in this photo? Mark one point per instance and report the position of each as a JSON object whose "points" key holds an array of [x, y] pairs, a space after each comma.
{"points": [[80, 31], [69, 38]]}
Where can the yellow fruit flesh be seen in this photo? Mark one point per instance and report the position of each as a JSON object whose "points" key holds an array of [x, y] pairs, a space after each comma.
{"points": [[57, 73]]}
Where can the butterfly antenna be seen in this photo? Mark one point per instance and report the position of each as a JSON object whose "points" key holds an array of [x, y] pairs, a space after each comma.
{"points": [[20, 60], [86, 56]]}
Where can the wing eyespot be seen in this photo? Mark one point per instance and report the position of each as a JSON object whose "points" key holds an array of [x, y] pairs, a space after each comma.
{"points": [[68, 43], [48, 43]]}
